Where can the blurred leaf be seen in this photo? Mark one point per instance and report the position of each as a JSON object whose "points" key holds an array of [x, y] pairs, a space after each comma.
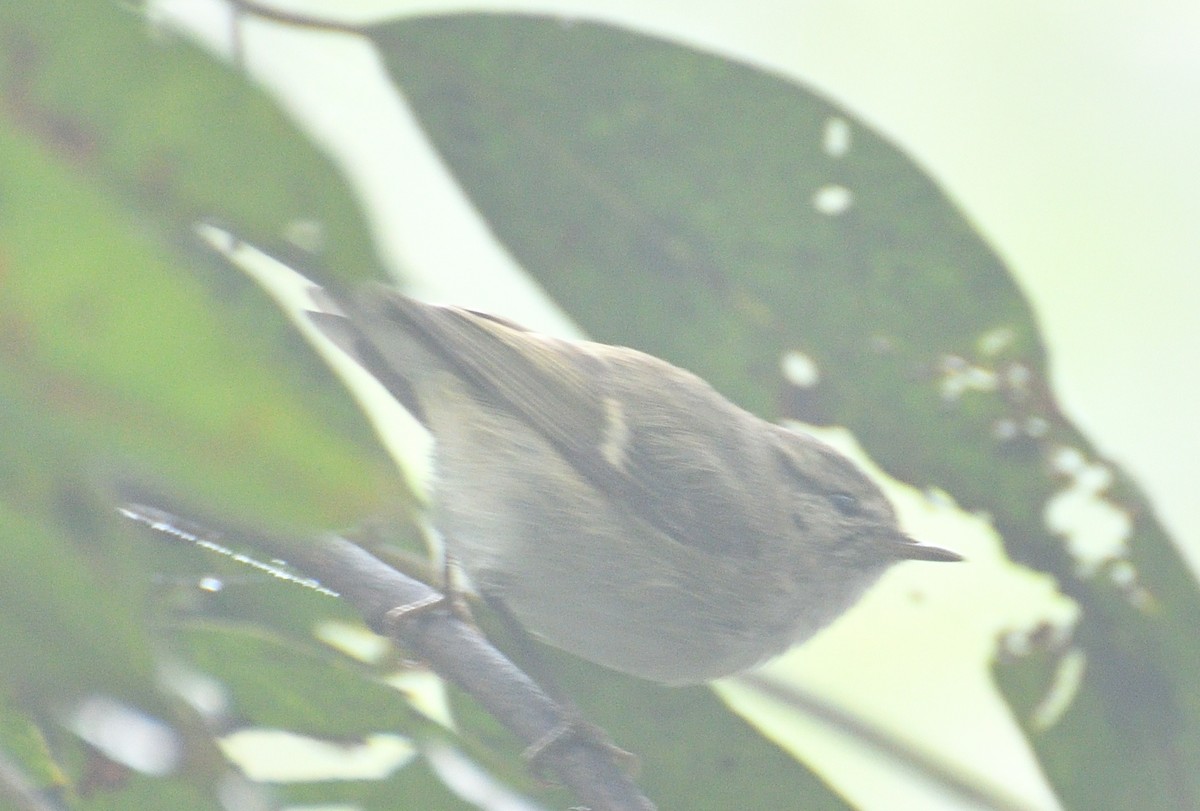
{"points": [[311, 692], [82, 637], [146, 351], [722, 217], [414, 786], [77, 639], [127, 351]]}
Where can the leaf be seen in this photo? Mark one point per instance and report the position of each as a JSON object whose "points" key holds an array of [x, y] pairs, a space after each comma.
{"points": [[125, 351], [690, 751], [723, 217], [106, 304]]}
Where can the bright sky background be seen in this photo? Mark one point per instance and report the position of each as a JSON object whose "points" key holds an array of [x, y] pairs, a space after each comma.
{"points": [[1066, 131]]}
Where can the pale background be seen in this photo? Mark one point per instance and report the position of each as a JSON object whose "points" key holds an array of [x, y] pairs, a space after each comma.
{"points": [[1067, 132]]}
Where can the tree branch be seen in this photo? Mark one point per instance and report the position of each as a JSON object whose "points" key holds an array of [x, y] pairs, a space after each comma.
{"points": [[454, 649]]}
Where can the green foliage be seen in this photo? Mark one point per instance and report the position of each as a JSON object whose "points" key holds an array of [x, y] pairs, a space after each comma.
{"points": [[671, 205], [671, 200]]}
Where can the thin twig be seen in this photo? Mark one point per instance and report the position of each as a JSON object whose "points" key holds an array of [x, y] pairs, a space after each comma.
{"points": [[972, 788], [294, 19]]}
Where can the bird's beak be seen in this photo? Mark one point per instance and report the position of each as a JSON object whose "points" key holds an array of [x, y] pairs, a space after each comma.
{"points": [[909, 549]]}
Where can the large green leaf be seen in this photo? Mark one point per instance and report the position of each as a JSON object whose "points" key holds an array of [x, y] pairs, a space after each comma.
{"points": [[109, 307], [721, 217], [125, 352]]}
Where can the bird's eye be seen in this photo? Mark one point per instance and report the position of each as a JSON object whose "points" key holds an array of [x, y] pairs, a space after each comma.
{"points": [[844, 503]]}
